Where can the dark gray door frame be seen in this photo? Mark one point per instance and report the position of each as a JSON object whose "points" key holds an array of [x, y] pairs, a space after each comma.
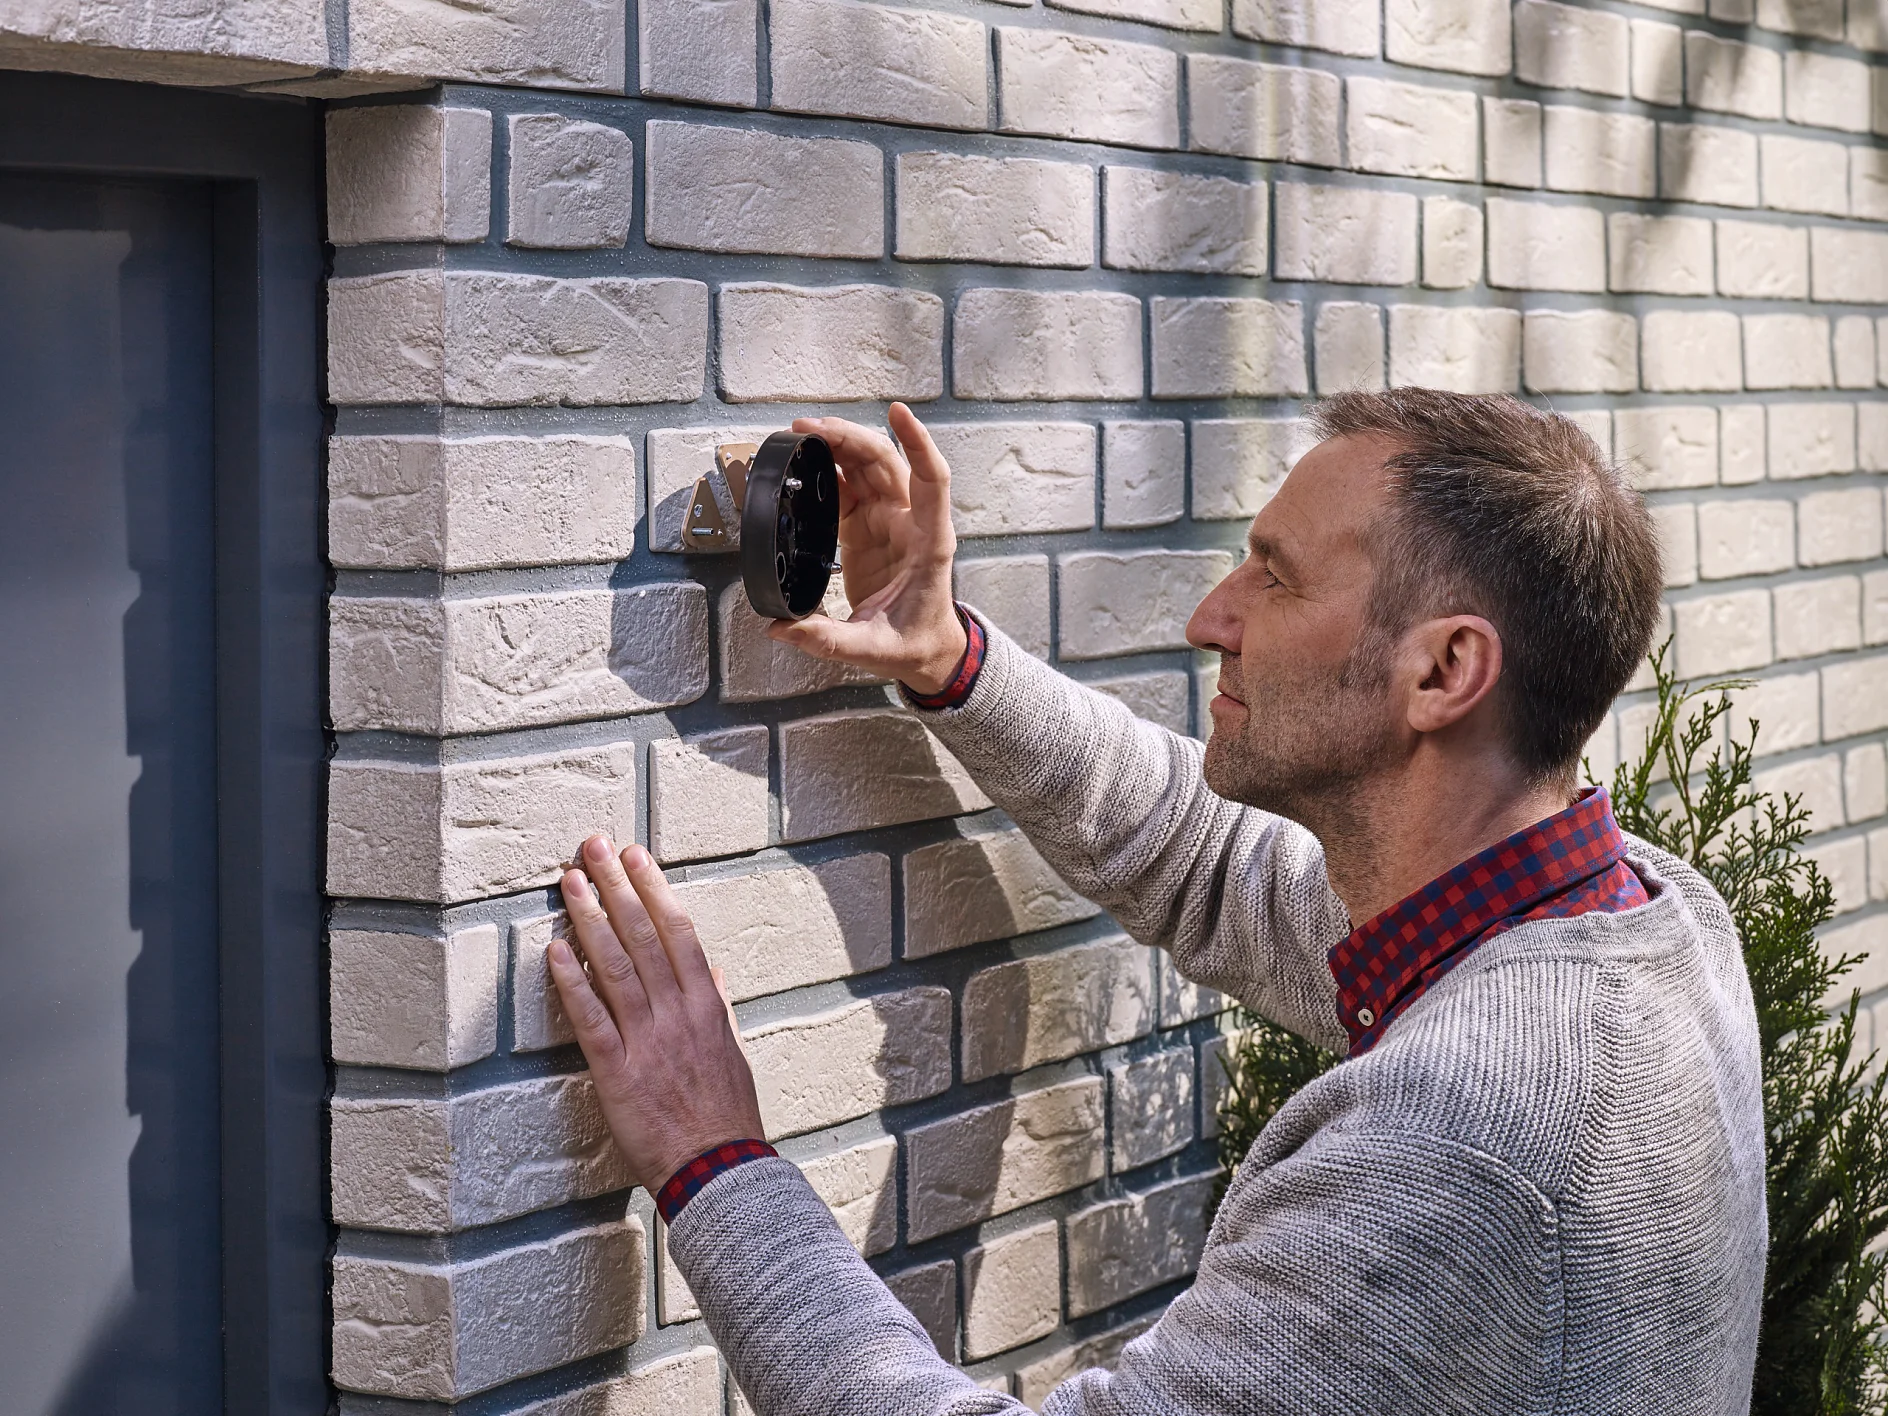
{"points": [[263, 157]]}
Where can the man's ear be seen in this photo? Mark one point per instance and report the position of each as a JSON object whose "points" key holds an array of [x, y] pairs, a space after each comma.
{"points": [[1458, 659]]}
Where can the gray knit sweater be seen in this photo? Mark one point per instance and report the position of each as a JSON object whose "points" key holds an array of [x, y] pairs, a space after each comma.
{"points": [[1542, 1191]]}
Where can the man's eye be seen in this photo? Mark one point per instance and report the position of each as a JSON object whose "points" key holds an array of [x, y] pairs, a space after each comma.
{"points": [[1267, 579]]}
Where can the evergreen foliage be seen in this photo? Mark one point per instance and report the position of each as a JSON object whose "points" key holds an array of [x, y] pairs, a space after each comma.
{"points": [[1821, 1349]]}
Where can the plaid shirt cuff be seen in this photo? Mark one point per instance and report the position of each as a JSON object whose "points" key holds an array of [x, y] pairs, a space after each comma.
{"points": [[965, 679], [687, 1182]]}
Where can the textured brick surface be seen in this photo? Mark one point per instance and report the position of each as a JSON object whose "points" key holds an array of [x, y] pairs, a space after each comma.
{"points": [[992, 1159], [1461, 348], [1175, 221], [1410, 130], [822, 1068], [1151, 1102], [1012, 592], [1014, 477], [983, 885], [853, 771], [1543, 246], [1143, 468], [1017, 344], [708, 794], [699, 49], [1227, 347], [1348, 234], [1122, 1247], [831, 342], [733, 189], [1609, 153], [1003, 210], [413, 1000], [1666, 255], [1020, 1014], [1120, 604], [1267, 111], [1012, 1290], [408, 172], [1075, 86], [877, 61], [570, 185]]}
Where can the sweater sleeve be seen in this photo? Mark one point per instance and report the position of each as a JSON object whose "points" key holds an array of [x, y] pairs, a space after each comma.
{"points": [[1120, 808], [1335, 1283]]}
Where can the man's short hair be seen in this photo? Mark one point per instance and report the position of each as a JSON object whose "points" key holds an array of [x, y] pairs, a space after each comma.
{"points": [[1507, 512]]}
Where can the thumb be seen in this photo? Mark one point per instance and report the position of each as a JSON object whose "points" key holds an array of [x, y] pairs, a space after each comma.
{"points": [[855, 641]]}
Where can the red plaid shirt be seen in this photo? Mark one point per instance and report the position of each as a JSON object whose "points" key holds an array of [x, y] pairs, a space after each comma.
{"points": [[1572, 862]]}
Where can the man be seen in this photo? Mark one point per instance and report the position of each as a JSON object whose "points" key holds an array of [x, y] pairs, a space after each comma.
{"points": [[1535, 1184]]}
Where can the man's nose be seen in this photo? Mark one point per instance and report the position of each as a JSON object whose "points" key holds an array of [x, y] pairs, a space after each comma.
{"points": [[1213, 625]]}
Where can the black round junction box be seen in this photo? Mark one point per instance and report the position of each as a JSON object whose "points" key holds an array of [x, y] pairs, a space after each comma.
{"points": [[790, 526]]}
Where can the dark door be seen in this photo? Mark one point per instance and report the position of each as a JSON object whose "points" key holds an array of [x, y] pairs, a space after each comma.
{"points": [[161, 1233], [110, 1269]]}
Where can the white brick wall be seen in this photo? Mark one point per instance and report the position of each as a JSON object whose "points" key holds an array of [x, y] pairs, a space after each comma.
{"points": [[1111, 250]]}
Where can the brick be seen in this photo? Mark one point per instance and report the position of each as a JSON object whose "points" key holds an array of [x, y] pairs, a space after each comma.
{"points": [[1176, 221], [1879, 83], [1855, 353], [1742, 459], [1126, 1246], [982, 885], [1241, 461], [754, 667], [1452, 243], [1597, 424], [1835, 527], [1171, 14], [1272, 112], [1567, 47], [1343, 27], [1845, 864], [1848, 265], [408, 172], [1143, 473], [1667, 448], [1676, 526], [1875, 607], [1728, 76], [677, 459], [860, 1186], [1035, 1380], [1228, 347], [1683, 351], [1608, 153], [454, 504], [1025, 1012], [1658, 63], [537, 1014], [468, 830], [524, 42], [1410, 130], [1538, 246], [490, 340], [1878, 890], [1805, 174], [1822, 18], [1012, 1290], [1347, 340], [1786, 711], [1580, 351], [1184, 1001], [1046, 344], [436, 1165], [877, 61], [443, 667], [440, 1331], [1213, 1082], [1461, 348], [570, 183], [929, 1293], [1511, 137], [1868, 25], [699, 50], [1152, 1103], [1008, 478], [1707, 163], [1661, 255], [836, 342], [1135, 601], [999, 210], [860, 770], [740, 190], [1823, 91], [1159, 698], [789, 926], [1818, 617], [708, 794], [1723, 633], [1865, 781], [822, 1068], [1751, 536], [1868, 181], [1871, 436], [1816, 783], [1467, 36], [1762, 260], [1011, 592], [1811, 439], [413, 1000], [685, 1384], [1868, 937], [1352, 235], [993, 1159], [675, 1302], [1098, 90]]}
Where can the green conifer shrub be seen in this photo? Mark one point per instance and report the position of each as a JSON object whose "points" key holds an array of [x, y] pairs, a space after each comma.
{"points": [[1823, 1346]]}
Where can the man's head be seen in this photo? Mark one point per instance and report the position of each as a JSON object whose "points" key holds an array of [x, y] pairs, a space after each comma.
{"points": [[1442, 572]]}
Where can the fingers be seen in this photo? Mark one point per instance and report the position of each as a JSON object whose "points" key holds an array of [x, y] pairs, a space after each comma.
{"points": [[868, 643], [869, 462], [597, 1032], [930, 475], [611, 972], [674, 929], [628, 920], [727, 1002]]}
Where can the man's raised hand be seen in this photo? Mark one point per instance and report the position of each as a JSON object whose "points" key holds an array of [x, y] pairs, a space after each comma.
{"points": [[896, 545], [652, 1018]]}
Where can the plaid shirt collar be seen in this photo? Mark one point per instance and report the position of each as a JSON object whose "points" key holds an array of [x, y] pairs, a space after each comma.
{"points": [[1561, 866]]}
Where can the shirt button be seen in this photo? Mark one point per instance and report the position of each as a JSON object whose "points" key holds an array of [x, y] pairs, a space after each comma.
{"points": [[1366, 1017]]}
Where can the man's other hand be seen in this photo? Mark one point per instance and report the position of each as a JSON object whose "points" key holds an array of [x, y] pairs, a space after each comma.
{"points": [[653, 1019], [895, 544]]}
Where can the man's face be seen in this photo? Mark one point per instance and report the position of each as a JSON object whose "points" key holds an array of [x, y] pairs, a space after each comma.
{"points": [[1302, 713]]}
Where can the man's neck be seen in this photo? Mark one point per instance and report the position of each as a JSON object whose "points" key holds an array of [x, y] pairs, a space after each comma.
{"points": [[1400, 832]]}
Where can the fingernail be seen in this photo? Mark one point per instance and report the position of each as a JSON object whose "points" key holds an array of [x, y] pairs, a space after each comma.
{"points": [[559, 952], [597, 848], [635, 857]]}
